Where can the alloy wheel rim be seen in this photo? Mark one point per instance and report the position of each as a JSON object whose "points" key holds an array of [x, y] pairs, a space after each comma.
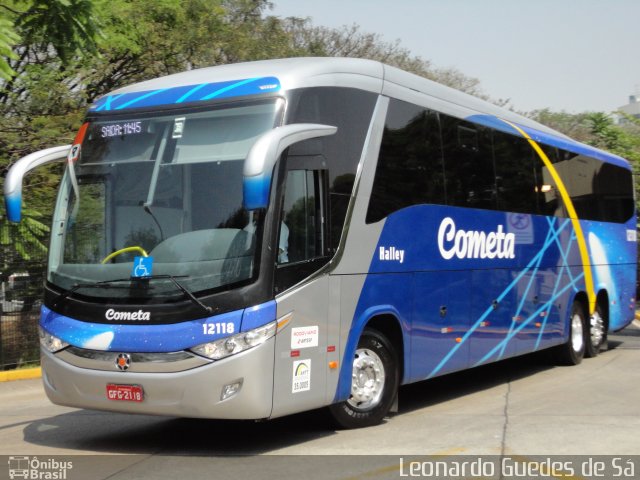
{"points": [[577, 337], [367, 380], [597, 329]]}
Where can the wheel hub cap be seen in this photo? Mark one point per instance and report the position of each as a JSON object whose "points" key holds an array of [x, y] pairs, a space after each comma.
{"points": [[367, 380], [597, 329], [577, 337]]}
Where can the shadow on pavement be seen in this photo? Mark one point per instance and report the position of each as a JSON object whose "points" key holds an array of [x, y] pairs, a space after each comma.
{"points": [[92, 431], [89, 431]]}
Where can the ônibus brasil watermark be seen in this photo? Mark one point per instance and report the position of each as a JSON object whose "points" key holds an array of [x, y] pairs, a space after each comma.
{"points": [[33, 468]]}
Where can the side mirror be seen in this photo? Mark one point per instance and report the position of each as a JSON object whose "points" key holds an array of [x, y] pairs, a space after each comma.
{"points": [[13, 180], [258, 166]]}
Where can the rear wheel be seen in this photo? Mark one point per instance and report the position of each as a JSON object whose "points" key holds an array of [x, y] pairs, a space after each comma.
{"points": [[597, 335], [374, 383], [572, 352]]}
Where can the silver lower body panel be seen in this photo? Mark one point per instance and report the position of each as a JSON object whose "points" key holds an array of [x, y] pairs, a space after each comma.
{"points": [[194, 393]]}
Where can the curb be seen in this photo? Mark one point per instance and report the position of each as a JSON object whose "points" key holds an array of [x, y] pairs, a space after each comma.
{"points": [[23, 374]]}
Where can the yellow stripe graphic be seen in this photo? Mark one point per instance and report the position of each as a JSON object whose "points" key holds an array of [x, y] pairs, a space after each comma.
{"points": [[575, 222]]}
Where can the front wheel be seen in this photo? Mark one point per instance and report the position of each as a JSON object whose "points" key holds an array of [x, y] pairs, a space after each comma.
{"points": [[572, 352], [374, 383]]}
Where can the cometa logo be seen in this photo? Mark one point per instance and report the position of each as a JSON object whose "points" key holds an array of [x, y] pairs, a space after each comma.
{"points": [[474, 244], [139, 316]]}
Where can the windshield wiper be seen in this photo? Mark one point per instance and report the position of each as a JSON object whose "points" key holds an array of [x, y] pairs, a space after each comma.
{"points": [[180, 287], [78, 286], [109, 284]]}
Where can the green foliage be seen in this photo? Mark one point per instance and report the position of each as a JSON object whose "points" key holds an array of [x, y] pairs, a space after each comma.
{"points": [[26, 238], [66, 25], [8, 38], [575, 126], [623, 139]]}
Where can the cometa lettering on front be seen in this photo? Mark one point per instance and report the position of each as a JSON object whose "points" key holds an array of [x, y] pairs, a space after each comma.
{"points": [[139, 316], [453, 242]]}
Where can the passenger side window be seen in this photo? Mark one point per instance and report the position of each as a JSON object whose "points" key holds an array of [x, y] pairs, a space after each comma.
{"points": [[599, 191], [515, 174], [302, 240], [409, 170], [301, 230], [433, 158], [469, 170]]}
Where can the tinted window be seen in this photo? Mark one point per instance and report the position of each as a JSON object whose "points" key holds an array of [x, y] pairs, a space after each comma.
{"points": [[469, 169], [614, 188], [488, 169], [409, 168], [301, 228], [302, 239], [598, 190], [515, 177], [350, 110]]}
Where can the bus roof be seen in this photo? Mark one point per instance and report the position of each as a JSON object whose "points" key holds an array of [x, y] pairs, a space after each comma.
{"points": [[272, 76]]}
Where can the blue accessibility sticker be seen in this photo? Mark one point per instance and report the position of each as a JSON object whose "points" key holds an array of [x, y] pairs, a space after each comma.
{"points": [[142, 267]]}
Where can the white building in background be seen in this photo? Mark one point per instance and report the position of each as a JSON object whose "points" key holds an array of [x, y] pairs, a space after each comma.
{"points": [[632, 108]]}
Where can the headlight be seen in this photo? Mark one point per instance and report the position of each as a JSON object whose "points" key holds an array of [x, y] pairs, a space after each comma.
{"points": [[237, 343], [49, 342]]}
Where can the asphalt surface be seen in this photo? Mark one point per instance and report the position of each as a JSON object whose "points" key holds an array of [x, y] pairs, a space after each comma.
{"points": [[520, 407]]}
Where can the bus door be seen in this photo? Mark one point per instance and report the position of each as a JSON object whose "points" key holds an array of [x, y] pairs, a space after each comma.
{"points": [[301, 349]]}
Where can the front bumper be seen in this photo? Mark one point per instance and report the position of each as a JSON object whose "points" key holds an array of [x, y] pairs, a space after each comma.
{"points": [[191, 393]]}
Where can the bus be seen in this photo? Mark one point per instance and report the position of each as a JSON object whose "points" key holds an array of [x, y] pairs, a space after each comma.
{"points": [[254, 240]]}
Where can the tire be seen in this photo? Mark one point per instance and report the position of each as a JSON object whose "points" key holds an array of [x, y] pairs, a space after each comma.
{"points": [[375, 362], [597, 334], [572, 352]]}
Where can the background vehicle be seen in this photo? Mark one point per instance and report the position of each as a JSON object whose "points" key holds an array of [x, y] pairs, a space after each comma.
{"points": [[15, 282]]}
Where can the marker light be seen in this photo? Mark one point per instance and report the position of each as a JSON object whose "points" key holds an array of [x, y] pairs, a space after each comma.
{"points": [[49, 342], [237, 343]]}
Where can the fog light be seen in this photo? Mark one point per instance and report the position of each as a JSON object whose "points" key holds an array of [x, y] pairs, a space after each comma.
{"points": [[230, 389]]}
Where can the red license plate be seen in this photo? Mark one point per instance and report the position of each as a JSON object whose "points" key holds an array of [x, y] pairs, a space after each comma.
{"points": [[125, 393]]}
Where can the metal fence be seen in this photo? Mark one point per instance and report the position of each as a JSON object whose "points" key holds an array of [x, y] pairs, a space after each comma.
{"points": [[22, 272]]}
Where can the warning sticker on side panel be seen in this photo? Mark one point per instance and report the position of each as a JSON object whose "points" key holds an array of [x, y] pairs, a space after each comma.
{"points": [[301, 376], [304, 337]]}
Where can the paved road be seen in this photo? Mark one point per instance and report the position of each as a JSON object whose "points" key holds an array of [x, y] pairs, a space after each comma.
{"points": [[521, 407]]}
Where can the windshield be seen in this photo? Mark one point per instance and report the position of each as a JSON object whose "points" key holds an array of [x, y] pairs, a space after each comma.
{"points": [[165, 186]]}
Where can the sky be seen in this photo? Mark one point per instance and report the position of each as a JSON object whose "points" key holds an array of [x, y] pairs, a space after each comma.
{"points": [[571, 55]]}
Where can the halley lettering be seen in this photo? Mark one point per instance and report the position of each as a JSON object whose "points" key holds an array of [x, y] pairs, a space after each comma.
{"points": [[392, 254], [140, 315], [474, 244]]}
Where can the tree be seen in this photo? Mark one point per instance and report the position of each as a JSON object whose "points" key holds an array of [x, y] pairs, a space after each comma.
{"points": [[8, 38], [43, 32], [37, 104]]}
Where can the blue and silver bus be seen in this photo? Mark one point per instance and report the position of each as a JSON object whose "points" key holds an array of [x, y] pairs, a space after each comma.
{"points": [[253, 240]]}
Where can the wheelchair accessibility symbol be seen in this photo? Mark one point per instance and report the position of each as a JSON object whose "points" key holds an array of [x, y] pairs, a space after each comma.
{"points": [[142, 267], [521, 225]]}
